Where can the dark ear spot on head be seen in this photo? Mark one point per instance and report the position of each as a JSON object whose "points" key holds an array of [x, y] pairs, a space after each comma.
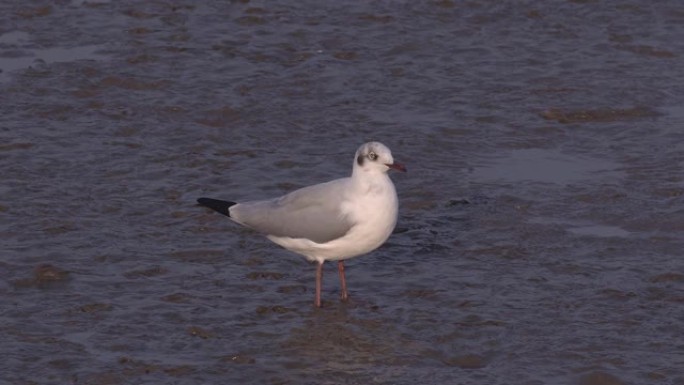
{"points": [[359, 160]]}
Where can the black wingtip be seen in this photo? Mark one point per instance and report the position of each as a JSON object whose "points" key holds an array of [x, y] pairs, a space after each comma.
{"points": [[217, 204]]}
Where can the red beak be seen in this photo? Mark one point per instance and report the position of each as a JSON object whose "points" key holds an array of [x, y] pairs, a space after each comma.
{"points": [[396, 166]]}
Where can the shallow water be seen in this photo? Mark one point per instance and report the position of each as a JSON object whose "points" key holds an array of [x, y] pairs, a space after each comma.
{"points": [[540, 238], [546, 166]]}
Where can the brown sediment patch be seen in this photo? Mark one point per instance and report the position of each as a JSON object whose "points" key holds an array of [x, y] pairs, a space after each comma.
{"points": [[422, 204], [346, 55], [58, 112], [65, 227], [256, 11], [49, 273], [15, 146], [534, 14], [139, 14], [198, 255], [31, 12], [600, 378], [202, 333], [457, 202], [144, 58], [176, 298], [287, 164], [272, 310], [598, 115], [467, 361], [139, 31], [251, 20], [43, 275], [617, 294], [238, 359], [475, 321], [179, 371], [667, 277], [151, 272], [126, 132], [376, 18], [646, 50], [603, 197], [88, 92], [95, 307], [421, 293], [669, 192], [133, 84], [265, 275], [657, 294], [445, 3], [292, 289]]}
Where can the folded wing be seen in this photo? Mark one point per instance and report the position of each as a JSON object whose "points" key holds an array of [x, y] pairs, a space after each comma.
{"points": [[313, 212]]}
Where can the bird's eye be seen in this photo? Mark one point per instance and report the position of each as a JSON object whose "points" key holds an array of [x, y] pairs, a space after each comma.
{"points": [[372, 156]]}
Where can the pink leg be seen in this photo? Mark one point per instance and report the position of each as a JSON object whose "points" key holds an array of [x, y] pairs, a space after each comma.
{"points": [[319, 278], [343, 281]]}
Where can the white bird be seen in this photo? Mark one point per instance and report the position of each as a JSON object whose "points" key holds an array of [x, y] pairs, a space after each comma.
{"points": [[331, 221]]}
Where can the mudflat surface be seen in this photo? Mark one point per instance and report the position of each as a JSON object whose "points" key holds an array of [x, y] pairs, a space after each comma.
{"points": [[541, 221]]}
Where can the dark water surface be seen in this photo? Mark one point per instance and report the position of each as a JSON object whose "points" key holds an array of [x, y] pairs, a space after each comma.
{"points": [[541, 234]]}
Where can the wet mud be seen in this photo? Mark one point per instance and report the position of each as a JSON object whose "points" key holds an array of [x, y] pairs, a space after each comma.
{"points": [[540, 235]]}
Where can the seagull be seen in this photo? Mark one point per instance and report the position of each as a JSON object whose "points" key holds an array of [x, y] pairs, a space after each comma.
{"points": [[331, 221]]}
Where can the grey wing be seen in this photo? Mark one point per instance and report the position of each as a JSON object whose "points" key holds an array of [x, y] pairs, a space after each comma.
{"points": [[313, 212]]}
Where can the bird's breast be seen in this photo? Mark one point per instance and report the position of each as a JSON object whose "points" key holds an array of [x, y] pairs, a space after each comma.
{"points": [[375, 213]]}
